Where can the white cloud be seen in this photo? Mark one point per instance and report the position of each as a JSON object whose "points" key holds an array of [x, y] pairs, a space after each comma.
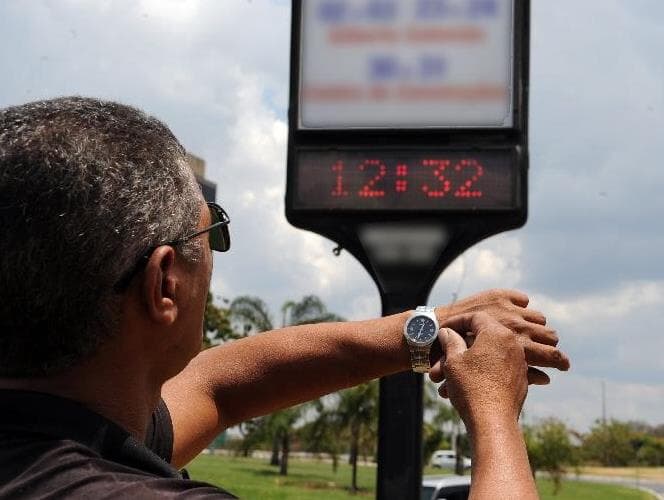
{"points": [[493, 263], [619, 303], [498, 267], [173, 12]]}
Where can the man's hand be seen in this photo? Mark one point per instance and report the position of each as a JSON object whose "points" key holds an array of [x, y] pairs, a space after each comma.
{"points": [[488, 380], [510, 309], [487, 384]]}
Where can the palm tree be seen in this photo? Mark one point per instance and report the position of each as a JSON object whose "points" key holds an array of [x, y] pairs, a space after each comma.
{"points": [[309, 310], [350, 414], [444, 416], [323, 433], [252, 315], [358, 412]]}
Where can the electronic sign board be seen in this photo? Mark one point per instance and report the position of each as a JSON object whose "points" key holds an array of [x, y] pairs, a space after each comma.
{"points": [[408, 106], [406, 64], [405, 180]]}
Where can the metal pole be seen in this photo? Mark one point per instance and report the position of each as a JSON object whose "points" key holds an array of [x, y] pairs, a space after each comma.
{"points": [[399, 429], [603, 403]]}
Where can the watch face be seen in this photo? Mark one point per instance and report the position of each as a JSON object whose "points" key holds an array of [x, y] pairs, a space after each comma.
{"points": [[421, 329]]}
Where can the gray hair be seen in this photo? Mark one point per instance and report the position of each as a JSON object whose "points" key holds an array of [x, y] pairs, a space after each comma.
{"points": [[86, 188]]}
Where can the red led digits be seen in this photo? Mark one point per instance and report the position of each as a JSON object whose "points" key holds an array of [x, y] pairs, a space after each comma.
{"points": [[401, 184], [471, 171], [338, 190], [445, 184], [369, 189], [407, 182]]}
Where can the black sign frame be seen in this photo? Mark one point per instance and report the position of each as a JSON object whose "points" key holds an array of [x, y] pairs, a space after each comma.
{"points": [[430, 137]]}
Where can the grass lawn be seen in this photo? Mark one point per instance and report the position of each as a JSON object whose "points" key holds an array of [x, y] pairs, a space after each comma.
{"points": [[252, 479], [255, 479], [589, 491]]}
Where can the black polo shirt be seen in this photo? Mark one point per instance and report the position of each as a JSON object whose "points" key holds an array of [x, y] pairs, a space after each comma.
{"points": [[51, 447]]}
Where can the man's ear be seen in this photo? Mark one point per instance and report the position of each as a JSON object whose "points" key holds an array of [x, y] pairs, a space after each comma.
{"points": [[160, 284]]}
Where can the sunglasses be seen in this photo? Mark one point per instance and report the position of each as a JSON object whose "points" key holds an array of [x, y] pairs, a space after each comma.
{"points": [[219, 239]]}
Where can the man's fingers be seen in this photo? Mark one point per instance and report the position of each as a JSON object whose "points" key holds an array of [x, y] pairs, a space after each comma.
{"points": [[518, 298], [442, 390], [544, 355], [436, 373], [521, 300], [534, 316], [537, 377], [452, 343], [536, 333], [473, 323]]}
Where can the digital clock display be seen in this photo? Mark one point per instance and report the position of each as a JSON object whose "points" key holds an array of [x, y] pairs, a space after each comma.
{"points": [[405, 180]]}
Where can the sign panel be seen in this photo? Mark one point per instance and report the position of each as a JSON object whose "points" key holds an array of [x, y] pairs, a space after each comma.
{"points": [[406, 64], [403, 180]]}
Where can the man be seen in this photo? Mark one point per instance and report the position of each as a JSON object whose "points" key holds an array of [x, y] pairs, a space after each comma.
{"points": [[105, 263]]}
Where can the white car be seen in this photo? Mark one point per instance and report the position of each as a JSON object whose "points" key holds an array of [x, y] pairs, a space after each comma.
{"points": [[447, 459], [445, 487]]}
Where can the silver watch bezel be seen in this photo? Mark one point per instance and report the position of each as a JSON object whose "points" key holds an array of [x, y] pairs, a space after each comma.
{"points": [[429, 314]]}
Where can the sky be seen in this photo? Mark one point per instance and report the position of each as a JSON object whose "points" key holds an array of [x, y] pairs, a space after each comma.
{"points": [[590, 256]]}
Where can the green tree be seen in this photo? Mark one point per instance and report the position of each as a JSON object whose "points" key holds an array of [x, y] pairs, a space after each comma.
{"points": [[658, 431], [323, 434], [610, 444], [650, 451], [349, 416], [307, 311], [253, 435], [550, 449], [647, 443], [251, 315], [357, 411], [216, 323], [442, 422]]}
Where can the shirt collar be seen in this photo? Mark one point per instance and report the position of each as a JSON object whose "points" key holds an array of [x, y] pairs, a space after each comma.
{"points": [[61, 418]]}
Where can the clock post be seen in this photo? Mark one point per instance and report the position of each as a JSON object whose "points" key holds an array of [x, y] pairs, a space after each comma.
{"points": [[407, 145]]}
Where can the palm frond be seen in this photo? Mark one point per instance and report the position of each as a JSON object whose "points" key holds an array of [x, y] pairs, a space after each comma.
{"points": [[310, 309], [251, 313]]}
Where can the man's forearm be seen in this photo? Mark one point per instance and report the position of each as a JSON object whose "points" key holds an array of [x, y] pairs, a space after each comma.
{"points": [[277, 369], [500, 462], [257, 375]]}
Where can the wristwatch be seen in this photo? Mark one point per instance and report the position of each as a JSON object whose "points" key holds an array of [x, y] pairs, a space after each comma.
{"points": [[420, 331]]}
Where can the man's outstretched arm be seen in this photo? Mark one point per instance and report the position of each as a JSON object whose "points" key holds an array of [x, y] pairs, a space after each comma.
{"points": [[255, 376]]}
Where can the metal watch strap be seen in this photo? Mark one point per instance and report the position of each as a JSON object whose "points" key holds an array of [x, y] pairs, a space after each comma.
{"points": [[419, 355], [419, 358]]}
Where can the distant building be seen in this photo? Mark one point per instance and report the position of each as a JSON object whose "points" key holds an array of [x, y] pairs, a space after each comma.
{"points": [[198, 166]]}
